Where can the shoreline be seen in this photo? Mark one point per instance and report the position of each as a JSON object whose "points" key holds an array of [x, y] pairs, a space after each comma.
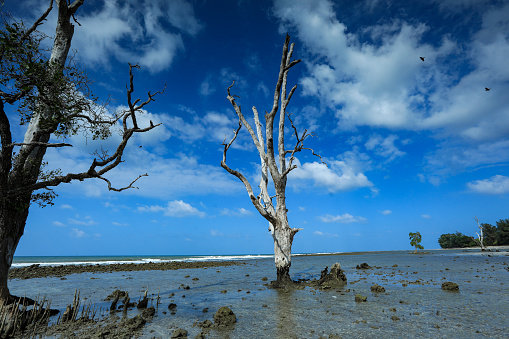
{"points": [[43, 271]]}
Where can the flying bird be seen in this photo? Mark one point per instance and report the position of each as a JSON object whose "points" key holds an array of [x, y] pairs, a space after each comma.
{"points": [[422, 58], [486, 89]]}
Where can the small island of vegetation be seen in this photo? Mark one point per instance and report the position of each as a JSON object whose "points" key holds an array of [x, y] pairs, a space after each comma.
{"points": [[492, 236]]}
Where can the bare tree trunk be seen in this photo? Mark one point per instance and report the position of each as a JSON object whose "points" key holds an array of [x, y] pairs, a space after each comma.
{"points": [[281, 232], [283, 239]]}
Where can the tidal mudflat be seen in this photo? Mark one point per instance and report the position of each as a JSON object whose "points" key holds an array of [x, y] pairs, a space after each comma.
{"points": [[411, 304]]}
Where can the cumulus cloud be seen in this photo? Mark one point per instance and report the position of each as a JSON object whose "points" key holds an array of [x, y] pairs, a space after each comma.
{"points": [[337, 176], [150, 32], [343, 219], [495, 185], [58, 223], [374, 77], [386, 212], [175, 208]]}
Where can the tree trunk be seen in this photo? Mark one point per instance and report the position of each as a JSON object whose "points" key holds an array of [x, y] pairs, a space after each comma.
{"points": [[282, 235], [14, 211], [13, 217]]}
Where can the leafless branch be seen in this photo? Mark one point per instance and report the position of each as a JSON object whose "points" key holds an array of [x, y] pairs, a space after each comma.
{"points": [[37, 23], [105, 163], [123, 188]]}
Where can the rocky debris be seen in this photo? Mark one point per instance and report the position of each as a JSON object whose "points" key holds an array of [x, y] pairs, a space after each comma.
{"points": [[113, 306], [143, 302], [265, 279], [360, 298], [179, 333], [450, 286], [172, 307], [37, 271], [394, 318], [206, 324], [148, 313], [333, 279], [117, 294], [363, 266], [377, 288], [225, 317]]}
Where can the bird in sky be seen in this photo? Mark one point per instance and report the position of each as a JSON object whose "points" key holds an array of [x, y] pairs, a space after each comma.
{"points": [[486, 89], [422, 58]]}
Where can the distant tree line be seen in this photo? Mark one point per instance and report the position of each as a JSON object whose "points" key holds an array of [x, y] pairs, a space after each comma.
{"points": [[493, 236]]}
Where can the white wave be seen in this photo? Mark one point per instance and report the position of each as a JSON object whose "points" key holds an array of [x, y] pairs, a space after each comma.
{"points": [[148, 260]]}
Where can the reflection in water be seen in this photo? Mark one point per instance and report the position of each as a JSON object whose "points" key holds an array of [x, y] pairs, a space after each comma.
{"points": [[286, 324]]}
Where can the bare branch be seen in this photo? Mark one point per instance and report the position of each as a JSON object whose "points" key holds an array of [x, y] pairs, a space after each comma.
{"points": [[37, 23], [107, 163], [258, 143], [123, 188]]}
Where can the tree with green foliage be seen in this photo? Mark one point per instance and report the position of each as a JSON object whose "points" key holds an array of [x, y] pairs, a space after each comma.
{"points": [[415, 240], [53, 100], [502, 237], [455, 240], [490, 234]]}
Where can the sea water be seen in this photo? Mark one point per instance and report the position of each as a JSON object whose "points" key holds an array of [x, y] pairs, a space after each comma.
{"points": [[413, 306]]}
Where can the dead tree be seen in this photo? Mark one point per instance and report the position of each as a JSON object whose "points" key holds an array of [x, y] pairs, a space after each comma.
{"points": [[480, 236], [57, 107], [275, 214]]}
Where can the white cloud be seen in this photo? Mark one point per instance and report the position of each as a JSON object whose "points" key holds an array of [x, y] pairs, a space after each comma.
{"points": [[337, 176], [327, 235], [344, 218], [216, 233], [86, 222], [386, 212], [497, 184], [384, 146], [76, 233], [238, 212], [65, 206], [134, 31], [175, 208], [426, 216], [381, 82], [119, 224], [58, 223]]}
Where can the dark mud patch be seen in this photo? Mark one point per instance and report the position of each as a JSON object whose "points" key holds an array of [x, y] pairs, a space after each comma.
{"points": [[37, 271]]}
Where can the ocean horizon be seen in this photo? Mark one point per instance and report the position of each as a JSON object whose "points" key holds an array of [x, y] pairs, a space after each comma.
{"points": [[24, 261]]}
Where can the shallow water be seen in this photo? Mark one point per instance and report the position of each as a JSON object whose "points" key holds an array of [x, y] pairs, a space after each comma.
{"points": [[413, 292]]}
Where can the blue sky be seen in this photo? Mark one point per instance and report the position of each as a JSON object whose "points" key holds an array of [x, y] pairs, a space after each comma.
{"points": [[411, 145]]}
